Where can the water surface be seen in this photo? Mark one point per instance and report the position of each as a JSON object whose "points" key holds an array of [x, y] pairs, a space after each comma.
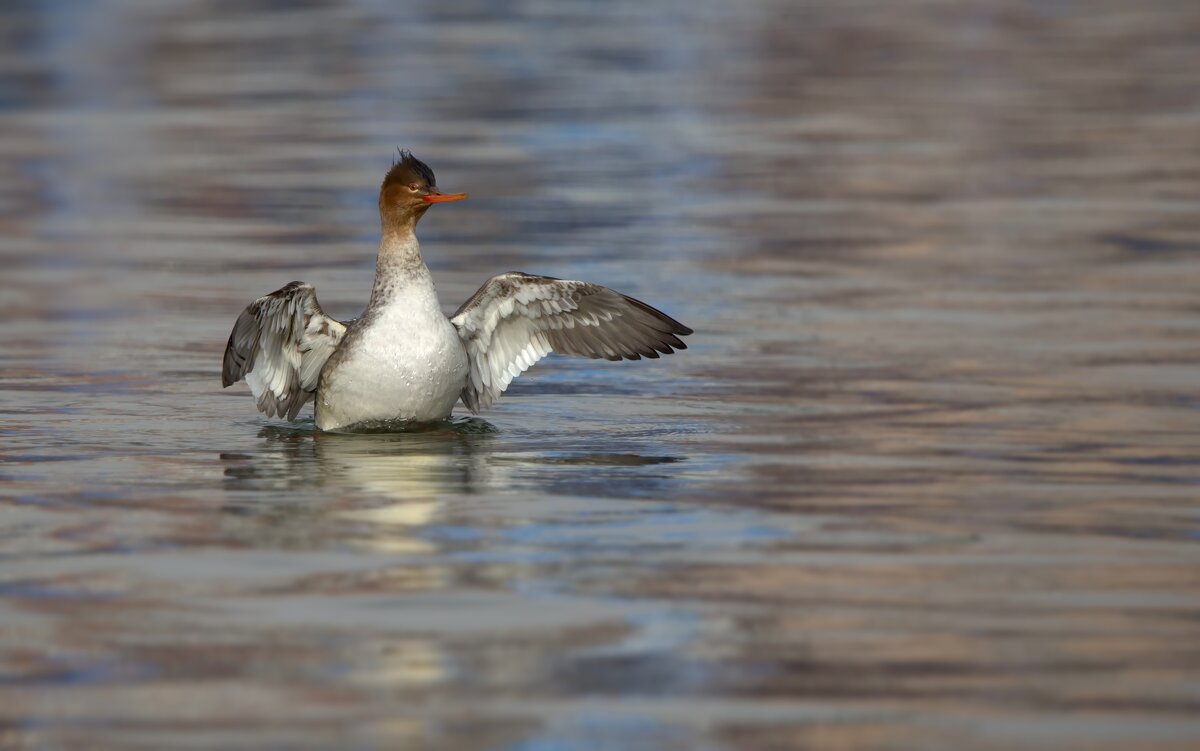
{"points": [[926, 477]]}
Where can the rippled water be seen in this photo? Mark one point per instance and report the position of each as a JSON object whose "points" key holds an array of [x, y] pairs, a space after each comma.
{"points": [[927, 476]]}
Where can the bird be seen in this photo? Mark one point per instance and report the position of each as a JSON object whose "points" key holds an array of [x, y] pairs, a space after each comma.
{"points": [[403, 360]]}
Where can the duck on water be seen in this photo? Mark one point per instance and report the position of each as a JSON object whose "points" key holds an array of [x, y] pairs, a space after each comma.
{"points": [[403, 360]]}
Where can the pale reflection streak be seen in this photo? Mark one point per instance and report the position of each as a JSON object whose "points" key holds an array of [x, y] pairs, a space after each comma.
{"points": [[412, 473]]}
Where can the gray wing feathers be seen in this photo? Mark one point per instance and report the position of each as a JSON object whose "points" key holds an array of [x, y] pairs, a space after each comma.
{"points": [[279, 345], [515, 319]]}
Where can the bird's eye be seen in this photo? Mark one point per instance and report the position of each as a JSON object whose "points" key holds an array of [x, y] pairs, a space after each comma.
{"points": [[414, 187]]}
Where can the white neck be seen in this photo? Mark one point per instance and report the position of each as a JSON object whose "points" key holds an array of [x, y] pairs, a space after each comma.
{"points": [[398, 266]]}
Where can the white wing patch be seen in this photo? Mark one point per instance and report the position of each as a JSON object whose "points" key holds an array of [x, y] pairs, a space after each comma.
{"points": [[279, 345], [516, 319]]}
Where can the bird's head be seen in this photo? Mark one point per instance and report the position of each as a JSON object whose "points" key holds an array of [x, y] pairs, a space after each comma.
{"points": [[409, 189]]}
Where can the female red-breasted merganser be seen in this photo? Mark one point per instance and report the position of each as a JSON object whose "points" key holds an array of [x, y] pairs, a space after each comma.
{"points": [[403, 360]]}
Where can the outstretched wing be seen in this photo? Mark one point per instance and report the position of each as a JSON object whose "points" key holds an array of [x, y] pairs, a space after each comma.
{"points": [[279, 345], [516, 319]]}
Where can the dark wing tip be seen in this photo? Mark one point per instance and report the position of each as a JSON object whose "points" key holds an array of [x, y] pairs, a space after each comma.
{"points": [[233, 362], [228, 365], [676, 327], [243, 339]]}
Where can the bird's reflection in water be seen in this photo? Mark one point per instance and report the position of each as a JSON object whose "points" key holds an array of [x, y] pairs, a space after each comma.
{"points": [[312, 483], [452, 457], [382, 487], [371, 493], [421, 462]]}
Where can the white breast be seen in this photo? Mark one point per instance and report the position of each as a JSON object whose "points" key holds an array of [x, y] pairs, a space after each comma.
{"points": [[406, 363]]}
